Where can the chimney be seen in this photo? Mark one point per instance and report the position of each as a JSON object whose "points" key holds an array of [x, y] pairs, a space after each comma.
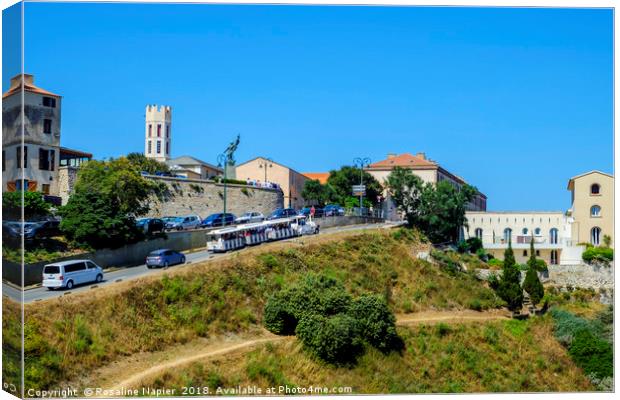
{"points": [[421, 155], [16, 81], [391, 155]]}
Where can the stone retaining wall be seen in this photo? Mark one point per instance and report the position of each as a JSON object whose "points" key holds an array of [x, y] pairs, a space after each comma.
{"points": [[203, 198]]}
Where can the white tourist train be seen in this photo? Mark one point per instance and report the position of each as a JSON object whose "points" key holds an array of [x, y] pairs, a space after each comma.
{"points": [[239, 236]]}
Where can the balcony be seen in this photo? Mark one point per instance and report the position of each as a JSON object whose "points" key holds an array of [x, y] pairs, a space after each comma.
{"points": [[523, 242]]}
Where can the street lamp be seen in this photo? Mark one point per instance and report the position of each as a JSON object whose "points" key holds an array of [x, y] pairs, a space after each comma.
{"points": [[361, 161], [265, 164], [222, 160]]}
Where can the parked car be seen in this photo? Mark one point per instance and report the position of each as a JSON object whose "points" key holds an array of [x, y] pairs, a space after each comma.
{"points": [[164, 258], [218, 219], [250, 216], [181, 223], [283, 213], [32, 229], [47, 229], [66, 274], [318, 212], [151, 225], [331, 210]]}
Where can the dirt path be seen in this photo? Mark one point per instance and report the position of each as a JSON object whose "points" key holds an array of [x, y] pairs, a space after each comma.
{"points": [[131, 371], [431, 317]]}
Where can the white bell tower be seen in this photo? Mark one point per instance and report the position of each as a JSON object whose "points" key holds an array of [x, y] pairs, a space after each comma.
{"points": [[158, 133]]}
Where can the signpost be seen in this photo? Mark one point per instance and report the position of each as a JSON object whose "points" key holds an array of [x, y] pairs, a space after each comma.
{"points": [[359, 190]]}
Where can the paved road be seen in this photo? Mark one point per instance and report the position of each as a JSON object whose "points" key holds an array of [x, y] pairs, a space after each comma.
{"points": [[125, 274]]}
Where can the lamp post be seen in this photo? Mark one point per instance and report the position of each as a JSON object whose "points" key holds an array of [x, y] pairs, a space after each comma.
{"points": [[222, 160], [264, 164], [361, 161]]}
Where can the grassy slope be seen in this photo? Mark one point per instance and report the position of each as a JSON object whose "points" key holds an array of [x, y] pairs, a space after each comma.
{"points": [[500, 356], [91, 330]]}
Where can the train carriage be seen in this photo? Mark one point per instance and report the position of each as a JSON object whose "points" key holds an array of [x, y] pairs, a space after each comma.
{"points": [[239, 236]]}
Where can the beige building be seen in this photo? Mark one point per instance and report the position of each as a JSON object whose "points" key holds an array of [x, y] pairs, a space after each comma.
{"points": [[262, 170], [428, 170], [557, 234], [592, 207]]}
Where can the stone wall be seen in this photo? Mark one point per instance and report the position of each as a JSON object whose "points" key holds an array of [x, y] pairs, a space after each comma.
{"points": [[203, 198], [569, 276], [66, 181]]}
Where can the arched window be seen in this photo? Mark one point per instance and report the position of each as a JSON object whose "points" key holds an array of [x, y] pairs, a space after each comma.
{"points": [[553, 236], [595, 188], [595, 211], [595, 236], [478, 232], [507, 234], [537, 231], [524, 231]]}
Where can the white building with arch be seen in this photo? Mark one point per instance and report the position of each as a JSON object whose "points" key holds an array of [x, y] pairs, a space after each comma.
{"points": [[559, 236]]}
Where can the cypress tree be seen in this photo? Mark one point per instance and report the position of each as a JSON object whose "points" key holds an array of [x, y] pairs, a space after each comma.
{"points": [[509, 288], [532, 284]]}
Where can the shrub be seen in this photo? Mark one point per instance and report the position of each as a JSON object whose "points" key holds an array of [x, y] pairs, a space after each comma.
{"points": [[34, 205], [334, 339], [314, 294], [475, 305], [376, 322], [482, 255], [533, 287], [278, 317], [592, 354], [567, 325], [475, 244], [495, 262], [598, 254]]}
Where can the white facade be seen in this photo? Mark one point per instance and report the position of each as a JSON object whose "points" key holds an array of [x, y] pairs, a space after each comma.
{"points": [[158, 132], [552, 233]]}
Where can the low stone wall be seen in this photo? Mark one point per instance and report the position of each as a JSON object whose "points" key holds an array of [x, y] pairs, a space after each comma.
{"points": [[329, 222], [203, 198], [569, 276], [126, 256]]}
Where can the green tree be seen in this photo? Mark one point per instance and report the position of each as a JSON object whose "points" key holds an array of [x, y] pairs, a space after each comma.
{"points": [[438, 210], [108, 196], [314, 192], [120, 180], [509, 287], [34, 205], [406, 192], [532, 284], [91, 219], [377, 323], [340, 183], [144, 163]]}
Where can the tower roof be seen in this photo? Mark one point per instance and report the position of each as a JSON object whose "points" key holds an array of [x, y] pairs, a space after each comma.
{"points": [[28, 79]]}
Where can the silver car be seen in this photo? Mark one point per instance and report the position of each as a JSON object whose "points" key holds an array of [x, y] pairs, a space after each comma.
{"points": [[181, 223], [250, 216]]}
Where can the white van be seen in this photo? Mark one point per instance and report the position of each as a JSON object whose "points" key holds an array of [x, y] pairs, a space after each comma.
{"points": [[70, 273]]}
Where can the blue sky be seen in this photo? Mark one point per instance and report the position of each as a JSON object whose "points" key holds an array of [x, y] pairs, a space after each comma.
{"points": [[514, 100]]}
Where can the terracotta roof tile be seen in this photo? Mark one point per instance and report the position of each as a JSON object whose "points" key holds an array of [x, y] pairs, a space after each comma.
{"points": [[403, 160], [320, 176], [28, 86]]}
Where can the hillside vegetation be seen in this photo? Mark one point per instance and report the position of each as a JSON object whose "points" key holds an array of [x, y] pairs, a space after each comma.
{"points": [[75, 334], [497, 356]]}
